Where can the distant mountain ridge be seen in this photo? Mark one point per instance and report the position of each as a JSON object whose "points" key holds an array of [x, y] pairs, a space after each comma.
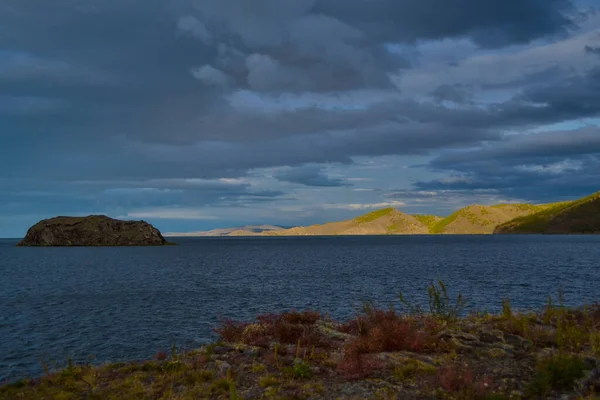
{"points": [[578, 216], [248, 230]]}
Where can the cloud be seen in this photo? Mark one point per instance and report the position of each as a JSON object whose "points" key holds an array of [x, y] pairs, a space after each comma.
{"points": [[192, 26], [211, 76], [536, 167], [153, 113], [592, 50], [368, 206], [309, 176], [488, 23], [165, 213], [28, 106]]}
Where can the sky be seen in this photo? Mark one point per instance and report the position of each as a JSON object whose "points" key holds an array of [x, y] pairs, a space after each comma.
{"points": [[199, 114]]}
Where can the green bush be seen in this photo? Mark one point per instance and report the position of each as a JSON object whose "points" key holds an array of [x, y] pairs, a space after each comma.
{"points": [[558, 372]]}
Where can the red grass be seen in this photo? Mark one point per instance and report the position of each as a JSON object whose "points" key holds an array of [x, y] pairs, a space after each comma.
{"points": [[161, 356], [460, 379], [231, 331], [359, 366], [387, 331], [287, 328], [455, 379], [302, 318]]}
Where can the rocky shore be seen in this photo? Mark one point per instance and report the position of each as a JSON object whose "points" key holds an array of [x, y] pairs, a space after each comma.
{"points": [[380, 354]]}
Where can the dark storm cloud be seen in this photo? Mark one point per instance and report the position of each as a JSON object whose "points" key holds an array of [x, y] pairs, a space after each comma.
{"points": [[152, 91], [52, 197], [592, 50], [489, 23], [561, 164], [309, 176], [453, 93], [519, 149]]}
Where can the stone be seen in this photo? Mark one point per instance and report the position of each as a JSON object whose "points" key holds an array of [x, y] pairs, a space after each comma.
{"points": [[590, 383], [590, 362], [491, 336], [222, 349], [329, 330], [93, 230], [253, 352], [223, 366], [517, 341], [546, 353]]}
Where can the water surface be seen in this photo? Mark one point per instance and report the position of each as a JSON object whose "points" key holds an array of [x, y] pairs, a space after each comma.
{"points": [[127, 303]]}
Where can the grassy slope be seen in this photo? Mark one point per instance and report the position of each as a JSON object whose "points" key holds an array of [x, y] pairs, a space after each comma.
{"points": [[430, 221], [579, 216], [479, 219], [474, 219], [387, 221]]}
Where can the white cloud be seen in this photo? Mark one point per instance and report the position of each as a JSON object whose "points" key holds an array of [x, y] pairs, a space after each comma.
{"points": [[211, 76], [194, 27], [367, 206], [179, 213], [500, 68], [555, 168]]}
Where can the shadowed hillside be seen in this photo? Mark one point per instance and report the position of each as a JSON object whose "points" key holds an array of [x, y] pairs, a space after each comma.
{"points": [[580, 216], [479, 219]]}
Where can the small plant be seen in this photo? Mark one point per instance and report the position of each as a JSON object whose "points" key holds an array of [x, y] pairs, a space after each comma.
{"points": [[230, 331], [459, 380], [507, 313], [224, 385], [595, 342], [258, 368], [302, 370], [557, 372], [412, 369], [569, 334], [268, 381], [440, 304]]}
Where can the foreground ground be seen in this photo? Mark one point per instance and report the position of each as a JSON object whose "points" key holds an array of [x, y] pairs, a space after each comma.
{"points": [[379, 354]]}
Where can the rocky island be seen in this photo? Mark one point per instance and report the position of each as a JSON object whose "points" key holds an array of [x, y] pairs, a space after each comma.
{"points": [[93, 230]]}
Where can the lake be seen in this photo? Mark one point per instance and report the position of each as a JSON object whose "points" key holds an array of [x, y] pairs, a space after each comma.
{"points": [[113, 304]]}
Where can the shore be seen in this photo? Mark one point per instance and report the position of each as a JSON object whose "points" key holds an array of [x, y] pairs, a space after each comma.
{"points": [[553, 353]]}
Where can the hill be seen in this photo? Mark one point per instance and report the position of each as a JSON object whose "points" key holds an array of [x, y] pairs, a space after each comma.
{"points": [[387, 221], [480, 219], [475, 219], [579, 216]]}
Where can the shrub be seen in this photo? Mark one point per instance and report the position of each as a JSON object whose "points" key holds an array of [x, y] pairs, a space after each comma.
{"points": [[440, 304], [459, 380], [359, 366], [302, 318], [557, 372], [412, 369], [302, 370], [268, 380], [231, 331]]}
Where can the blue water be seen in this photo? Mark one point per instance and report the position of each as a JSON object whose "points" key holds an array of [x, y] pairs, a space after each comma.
{"points": [[128, 303]]}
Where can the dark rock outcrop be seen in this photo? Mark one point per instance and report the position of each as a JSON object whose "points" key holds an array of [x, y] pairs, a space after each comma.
{"points": [[94, 230]]}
